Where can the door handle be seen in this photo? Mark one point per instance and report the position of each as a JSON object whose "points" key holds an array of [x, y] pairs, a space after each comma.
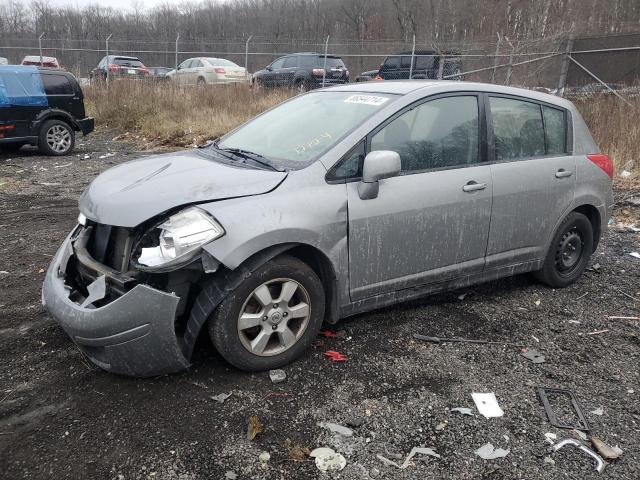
{"points": [[562, 173], [474, 186]]}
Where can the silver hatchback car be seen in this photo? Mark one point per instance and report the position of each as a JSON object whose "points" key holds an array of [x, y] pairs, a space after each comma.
{"points": [[333, 203]]}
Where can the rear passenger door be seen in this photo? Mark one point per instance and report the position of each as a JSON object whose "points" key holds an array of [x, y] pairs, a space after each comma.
{"points": [[533, 177], [431, 222], [288, 71]]}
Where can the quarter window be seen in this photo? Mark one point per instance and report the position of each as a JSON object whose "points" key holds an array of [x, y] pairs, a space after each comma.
{"points": [[555, 130], [56, 85], [517, 128], [440, 133], [290, 62]]}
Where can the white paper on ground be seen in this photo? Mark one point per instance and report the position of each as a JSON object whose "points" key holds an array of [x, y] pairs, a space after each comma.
{"points": [[487, 404]]}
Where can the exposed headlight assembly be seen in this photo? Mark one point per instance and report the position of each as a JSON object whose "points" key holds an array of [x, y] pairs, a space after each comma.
{"points": [[177, 240]]}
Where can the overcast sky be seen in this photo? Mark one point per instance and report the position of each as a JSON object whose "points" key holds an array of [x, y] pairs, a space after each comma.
{"points": [[116, 4]]}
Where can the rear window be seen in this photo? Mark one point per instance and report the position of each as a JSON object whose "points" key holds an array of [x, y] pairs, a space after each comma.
{"points": [[290, 62], [56, 84], [221, 62], [333, 62], [127, 62]]}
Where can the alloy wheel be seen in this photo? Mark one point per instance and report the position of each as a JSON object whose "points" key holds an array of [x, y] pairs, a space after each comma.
{"points": [[59, 138]]}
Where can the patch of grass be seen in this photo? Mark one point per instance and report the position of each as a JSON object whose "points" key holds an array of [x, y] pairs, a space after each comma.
{"points": [[163, 114]]}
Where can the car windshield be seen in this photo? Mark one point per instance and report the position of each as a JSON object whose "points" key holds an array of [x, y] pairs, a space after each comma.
{"points": [[127, 62], [300, 130], [221, 62]]}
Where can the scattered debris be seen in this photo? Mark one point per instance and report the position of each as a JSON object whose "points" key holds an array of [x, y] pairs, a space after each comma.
{"points": [[598, 411], [607, 452], [580, 434], [625, 173], [230, 475], [299, 453], [64, 165], [544, 394], [86, 156], [537, 302], [550, 437], [414, 451], [570, 441], [441, 426], [277, 376], [107, 155], [336, 428], [549, 460], [487, 404], [220, 398], [327, 459], [532, 355], [488, 452], [463, 411], [264, 457], [418, 336], [461, 296], [254, 427], [330, 334], [611, 318], [335, 356], [598, 332], [635, 254]]}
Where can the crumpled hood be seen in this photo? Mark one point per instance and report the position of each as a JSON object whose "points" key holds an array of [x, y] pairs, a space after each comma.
{"points": [[131, 193]]}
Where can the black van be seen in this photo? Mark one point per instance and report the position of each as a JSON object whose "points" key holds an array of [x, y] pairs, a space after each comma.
{"points": [[42, 107], [426, 65]]}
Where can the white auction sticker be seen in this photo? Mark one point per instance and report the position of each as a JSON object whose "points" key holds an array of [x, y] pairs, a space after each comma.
{"points": [[366, 99]]}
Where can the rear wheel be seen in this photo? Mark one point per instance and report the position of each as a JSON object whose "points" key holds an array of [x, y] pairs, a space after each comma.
{"points": [[201, 82], [569, 252], [56, 138], [271, 318]]}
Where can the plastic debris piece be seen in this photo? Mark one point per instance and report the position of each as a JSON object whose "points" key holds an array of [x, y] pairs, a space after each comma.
{"points": [[549, 460], [488, 452], [335, 356], [532, 355], [598, 411], [607, 452], [550, 437], [299, 453], [487, 404], [221, 397], [580, 434], [635, 254], [537, 302], [625, 173], [264, 457], [230, 475], [277, 376], [336, 428], [327, 459], [463, 411], [598, 332], [611, 318], [330, 334], [254, 427], [461, 296], [414, 451], [570, 441], [441, 426]]}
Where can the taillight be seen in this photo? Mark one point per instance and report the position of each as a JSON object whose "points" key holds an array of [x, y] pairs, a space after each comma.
{"points": [[113, 67], [219, 70], [318, 72], [603, 161], [145, 70]]}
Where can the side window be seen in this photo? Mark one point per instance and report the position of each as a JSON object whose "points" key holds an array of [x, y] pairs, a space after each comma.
{"points": [[392, 62], [439, 133], [517, 128], [185, 64], [56, 84], [350, 166], [290, 62], [424, 61], [196, 64], [309, 61], [278, 63], [405, 62], [555, 130]]}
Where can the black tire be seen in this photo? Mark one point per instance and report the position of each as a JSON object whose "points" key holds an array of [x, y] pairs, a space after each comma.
{"points": [[302, 85], [201, 82], [223, 324], [49, 127], [569, 252]]}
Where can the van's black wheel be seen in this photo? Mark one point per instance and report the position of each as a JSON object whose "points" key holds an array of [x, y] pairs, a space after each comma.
{"points": [[271, 318], [569, 253], [56, 138]]}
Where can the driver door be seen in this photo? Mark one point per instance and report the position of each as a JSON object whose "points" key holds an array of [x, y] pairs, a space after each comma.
{"points": [[431, 222]]}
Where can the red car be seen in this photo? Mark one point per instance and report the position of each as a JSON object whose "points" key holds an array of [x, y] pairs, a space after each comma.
{"points": [[37, 60]]}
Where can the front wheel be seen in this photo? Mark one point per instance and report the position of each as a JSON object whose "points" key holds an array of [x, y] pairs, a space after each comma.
{"points": [[56, 138], [569, 252], [271, 318]]}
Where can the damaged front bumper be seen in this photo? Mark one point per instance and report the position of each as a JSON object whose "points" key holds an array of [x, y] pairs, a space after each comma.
{"points": [[132, 335]]}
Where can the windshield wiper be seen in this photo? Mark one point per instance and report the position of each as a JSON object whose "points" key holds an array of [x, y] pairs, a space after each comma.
{"points": [[255, 157]]}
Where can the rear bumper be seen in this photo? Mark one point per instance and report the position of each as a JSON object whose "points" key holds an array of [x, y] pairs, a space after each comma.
{"points": [[133, 335], [86, 125]]}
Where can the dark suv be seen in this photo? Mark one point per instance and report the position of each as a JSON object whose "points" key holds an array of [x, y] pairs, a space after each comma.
{"points": [[426, 65], [42, 107], [118, 66], [303, 71]]}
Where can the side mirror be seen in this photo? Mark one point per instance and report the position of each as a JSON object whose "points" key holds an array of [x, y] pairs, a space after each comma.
{"points": [[377, 166]]}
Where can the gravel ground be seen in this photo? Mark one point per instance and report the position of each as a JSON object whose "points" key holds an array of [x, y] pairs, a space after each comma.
{"points": [[61, 417]]}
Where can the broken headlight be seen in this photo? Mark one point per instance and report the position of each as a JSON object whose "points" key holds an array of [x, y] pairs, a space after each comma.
{"points": [[176, 240]]}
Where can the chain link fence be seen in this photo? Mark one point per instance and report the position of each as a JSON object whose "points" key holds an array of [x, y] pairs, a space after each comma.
{"points": [[572, 67]]}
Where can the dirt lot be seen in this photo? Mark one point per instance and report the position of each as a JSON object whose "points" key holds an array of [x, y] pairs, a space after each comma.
{"points": [[61, 417]]}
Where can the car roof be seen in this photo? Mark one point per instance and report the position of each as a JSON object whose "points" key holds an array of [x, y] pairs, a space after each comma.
{"points": [[405, 87], [36, 58]]}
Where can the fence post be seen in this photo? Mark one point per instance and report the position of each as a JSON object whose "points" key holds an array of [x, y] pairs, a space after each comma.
{"points": [[107, 52], [246, 56], [40, 46], [564, 70], [324, 70], [510, 66], [441, 61], [176, 59], [495, 58], [413, 54]]}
